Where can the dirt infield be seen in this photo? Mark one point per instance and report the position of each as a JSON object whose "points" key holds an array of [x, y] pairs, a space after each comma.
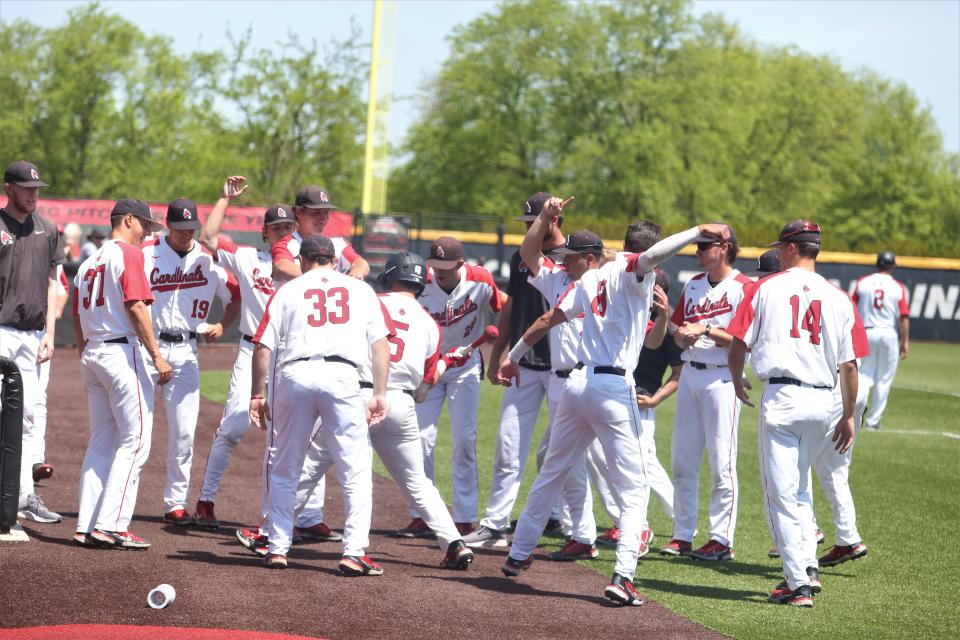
{"points": [[48, 581]]}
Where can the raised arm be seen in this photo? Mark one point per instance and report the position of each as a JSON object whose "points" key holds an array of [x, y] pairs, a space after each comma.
{"points": [[671, 246], [232, 188], [532, 246]]}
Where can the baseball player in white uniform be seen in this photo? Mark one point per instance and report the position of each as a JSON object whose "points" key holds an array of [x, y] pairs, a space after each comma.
{"points": [[801, 330], [882, 302], [41, 470], [253, 270], [456, 296], [110, 315], [328, 324], [616, 302], [184, 280], [708, 411], [414, 356]]}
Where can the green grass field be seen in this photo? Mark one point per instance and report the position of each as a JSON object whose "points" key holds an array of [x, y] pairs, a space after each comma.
{"points": [[906, 484]]}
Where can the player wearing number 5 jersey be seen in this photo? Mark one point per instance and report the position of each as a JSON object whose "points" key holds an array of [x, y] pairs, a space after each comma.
{"points": [[110, 314], [882, 302], [803, 334], [184, 280], [457, 296], [328, 324]]}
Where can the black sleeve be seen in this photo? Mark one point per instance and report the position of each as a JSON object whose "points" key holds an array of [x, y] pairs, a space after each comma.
{"points": [[517, 277], [671, 350]]}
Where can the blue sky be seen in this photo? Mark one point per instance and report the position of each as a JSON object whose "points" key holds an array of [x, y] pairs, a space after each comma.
{"points": [[917, 41]]}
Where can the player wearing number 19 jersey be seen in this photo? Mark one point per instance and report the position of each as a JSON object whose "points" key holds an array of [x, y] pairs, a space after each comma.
{"points": [[802, 333], [183, 280]]}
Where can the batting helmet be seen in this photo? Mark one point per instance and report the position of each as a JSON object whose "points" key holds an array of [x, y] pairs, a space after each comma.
{"points": [[886, 260], [404, 267]]}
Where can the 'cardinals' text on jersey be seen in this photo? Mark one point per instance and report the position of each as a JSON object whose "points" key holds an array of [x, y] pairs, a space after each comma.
{"points": [[322, 313], [112, 276], [616, 308], [183, 287], [713, 306], [881, 301], [460, 313], [414, 341], [800, 326]]}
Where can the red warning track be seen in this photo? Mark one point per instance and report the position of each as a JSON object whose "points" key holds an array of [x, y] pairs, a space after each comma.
{"points": [[129, 632]]}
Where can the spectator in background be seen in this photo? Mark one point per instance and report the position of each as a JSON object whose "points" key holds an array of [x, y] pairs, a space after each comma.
{"points": [[71, 242], [94, 239]]}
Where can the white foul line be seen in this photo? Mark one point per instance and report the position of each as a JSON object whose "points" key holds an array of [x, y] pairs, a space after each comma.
{"points": [[939, 393], [911, 432]]}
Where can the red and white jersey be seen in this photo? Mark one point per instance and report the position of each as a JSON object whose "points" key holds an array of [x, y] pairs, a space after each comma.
{"points": [[460, 313], [289, 249], [183, 288], [253, 270], [616, 308], [414, 341], [322, 313], [713, 306], [553, 282], [112, 276], [881, 300], [799, 326]]}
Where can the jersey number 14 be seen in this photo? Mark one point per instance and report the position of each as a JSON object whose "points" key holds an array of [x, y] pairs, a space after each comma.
{"points": [[810, 321]]}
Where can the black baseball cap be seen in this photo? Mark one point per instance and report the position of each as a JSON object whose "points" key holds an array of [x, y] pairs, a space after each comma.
{"points": [[886, 259], [533, 206], [278, 213], [582, 241], [96, 234], [23, 174], [798, 231], [138, 209], [317, 246], [767, 263], [182, 215], [446, 252], [314, 197]]}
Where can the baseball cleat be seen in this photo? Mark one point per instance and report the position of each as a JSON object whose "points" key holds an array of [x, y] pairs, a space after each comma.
{"points": [[799, 597], [416, 529], [459, 556], [178, 517], [317, 533], [33, 508], [512, 568], [646, 536], [276, 561], [574, 550], [82, 539], [464, 528], [486, 537], [621, 590], [676, 548], [204, 515], [42, 471], [253, 540], [643, 550], [355, 566], [122, 539], [610, 537], [713, 550], [815, 585], [839, 554]]}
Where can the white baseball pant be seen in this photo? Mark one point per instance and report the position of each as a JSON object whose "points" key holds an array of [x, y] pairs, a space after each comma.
{"points": [[305, 391], [657, 478], [518, 419], [593, 406], [462, 393], [119, 394], [312, 487], [40, 414], [706, 418], [21, 347], [181, 401], [878, 370], [793, 424]]}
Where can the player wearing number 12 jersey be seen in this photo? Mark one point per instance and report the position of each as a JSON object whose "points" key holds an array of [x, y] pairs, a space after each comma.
{"points": [[110, 314], [803, 334], [183, 280]]}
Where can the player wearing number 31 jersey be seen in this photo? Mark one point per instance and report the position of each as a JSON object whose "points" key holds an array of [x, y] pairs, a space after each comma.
{"points": [[110, 314]]}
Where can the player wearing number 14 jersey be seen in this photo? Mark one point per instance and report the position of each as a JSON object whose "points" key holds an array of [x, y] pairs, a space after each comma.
{"points": [[183, 280]]}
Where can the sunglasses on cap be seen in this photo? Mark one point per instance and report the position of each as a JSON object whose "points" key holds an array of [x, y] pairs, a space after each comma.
{"points": [[703, 246], [808, 227]]}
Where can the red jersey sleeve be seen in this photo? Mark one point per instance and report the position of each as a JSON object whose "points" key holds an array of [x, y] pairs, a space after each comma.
{"points": [[858, 335], [904, 303], [264, 321], [743, 317], [133, 280], [677, 317], [349, 253], [430, 364], [226, 243], [233, 286], [281, 250]]}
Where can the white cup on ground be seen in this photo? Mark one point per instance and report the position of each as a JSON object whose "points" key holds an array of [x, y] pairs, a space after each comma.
{"points": [[161, 597]]}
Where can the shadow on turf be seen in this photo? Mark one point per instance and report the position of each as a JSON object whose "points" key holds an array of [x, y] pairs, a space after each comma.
{"points": [[513, 587], [724, 567], [700, 591]]}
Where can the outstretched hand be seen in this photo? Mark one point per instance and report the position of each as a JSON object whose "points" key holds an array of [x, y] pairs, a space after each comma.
{"points": [[741, 392], [234, 187]]}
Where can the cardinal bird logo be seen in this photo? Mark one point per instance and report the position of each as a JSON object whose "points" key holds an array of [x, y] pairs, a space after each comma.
{"points": [[6, 238]]}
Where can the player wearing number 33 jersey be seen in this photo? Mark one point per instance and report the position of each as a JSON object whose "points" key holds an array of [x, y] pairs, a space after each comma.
{"points": [[183, 280]]}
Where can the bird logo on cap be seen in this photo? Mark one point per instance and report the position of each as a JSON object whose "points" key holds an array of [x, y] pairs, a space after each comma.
{"points": [[323, 197], [281, 213], [439, 251], [186, 214], [6, 238], [34, 174]]}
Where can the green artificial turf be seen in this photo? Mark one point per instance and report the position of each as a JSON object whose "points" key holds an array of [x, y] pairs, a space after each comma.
{"points": [[906, 484]]}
